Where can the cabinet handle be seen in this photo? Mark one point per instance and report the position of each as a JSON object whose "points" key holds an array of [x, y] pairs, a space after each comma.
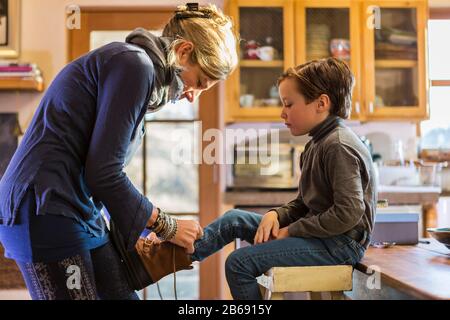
{"points": [[357, 107], [371, 107]]}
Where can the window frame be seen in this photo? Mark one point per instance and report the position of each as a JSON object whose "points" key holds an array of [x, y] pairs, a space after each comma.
{"points": [[440, 14], [434, 154]]}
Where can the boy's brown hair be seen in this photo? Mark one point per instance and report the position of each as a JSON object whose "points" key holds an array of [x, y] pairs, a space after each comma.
{"points": [[328, 76]]}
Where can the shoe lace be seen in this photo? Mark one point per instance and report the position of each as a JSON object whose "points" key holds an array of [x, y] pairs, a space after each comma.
{"points": [[174, 274], [174, 278]]}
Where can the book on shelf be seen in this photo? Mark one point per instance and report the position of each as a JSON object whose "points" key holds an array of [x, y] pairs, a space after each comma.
{"points": [[18, 70]]}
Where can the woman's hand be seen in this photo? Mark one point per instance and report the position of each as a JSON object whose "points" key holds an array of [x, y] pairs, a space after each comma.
{"points": [[188, 231], [268, 228], [154, 238], [152, 218]]}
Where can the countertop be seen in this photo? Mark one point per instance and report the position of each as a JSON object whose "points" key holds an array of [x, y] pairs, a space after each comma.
{"points": [[422, 271], [396, 195]]}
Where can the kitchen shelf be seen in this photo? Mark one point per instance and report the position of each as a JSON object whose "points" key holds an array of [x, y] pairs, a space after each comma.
{"points": [[32, 84], [271, 107], [395, 64], [262, 64], [440, 83]]}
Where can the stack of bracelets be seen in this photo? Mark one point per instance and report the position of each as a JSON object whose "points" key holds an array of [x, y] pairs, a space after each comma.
{"points": [[165, 226]]}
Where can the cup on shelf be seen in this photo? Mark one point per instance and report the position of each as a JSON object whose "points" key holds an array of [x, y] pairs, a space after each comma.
{"points": [[271, 102], [340, 49], [246, 100], [430, 174], [251, 50], [266, 53]]}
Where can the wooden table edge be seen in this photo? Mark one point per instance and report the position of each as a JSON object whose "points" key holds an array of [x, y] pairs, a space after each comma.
{"points": [[402, 286]]}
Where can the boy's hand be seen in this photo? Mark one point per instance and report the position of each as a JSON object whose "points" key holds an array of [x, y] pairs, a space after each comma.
{"points": [[268, 228]]}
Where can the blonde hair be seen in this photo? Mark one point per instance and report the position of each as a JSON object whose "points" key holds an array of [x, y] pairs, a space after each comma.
{"points": [[213, 37]]}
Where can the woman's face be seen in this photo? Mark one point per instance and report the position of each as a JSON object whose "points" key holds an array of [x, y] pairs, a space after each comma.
{"points": [[194, 79], [301, 117]]}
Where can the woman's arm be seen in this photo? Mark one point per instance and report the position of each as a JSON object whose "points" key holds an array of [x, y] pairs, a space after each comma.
{"points": [[124, 86]]}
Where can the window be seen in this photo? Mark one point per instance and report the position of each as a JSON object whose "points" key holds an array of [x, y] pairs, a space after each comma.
{"points": [[436, 131]]}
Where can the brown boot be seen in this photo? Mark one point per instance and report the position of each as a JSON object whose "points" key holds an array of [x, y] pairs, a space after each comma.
{"points": [[162, 259]]}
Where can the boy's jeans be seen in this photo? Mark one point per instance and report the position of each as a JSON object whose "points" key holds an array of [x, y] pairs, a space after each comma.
{"points": [[245, 264]]}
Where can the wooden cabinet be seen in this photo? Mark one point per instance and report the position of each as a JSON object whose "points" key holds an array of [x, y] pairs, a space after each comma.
{"points": [[394, 74], [252, 94], [382, 41], [321, 25]]}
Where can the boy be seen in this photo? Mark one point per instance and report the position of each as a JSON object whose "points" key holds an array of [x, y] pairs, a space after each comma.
{"points": [[331, 220]]}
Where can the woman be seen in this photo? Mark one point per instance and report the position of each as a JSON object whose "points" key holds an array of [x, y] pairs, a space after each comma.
{"points": [[70, 162]]}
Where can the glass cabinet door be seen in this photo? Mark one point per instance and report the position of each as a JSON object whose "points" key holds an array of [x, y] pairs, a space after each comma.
{"points": [[330, 29], [265, 51], [395, 68]]}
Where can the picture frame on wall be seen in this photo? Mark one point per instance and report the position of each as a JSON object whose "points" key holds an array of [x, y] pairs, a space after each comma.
{"points": [[9, 28]]}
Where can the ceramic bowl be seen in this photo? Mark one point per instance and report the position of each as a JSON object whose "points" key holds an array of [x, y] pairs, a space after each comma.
{"points": [[441, 234]]}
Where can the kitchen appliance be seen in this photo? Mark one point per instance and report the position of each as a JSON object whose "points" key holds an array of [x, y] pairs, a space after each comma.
{"points": [[270, 167], [397, 224]]}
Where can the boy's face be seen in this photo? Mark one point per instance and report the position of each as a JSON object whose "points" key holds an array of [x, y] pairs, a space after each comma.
{"points": [[301, 117]]}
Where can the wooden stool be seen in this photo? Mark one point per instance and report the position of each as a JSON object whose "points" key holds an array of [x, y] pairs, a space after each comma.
{"points": [[314, 280]]}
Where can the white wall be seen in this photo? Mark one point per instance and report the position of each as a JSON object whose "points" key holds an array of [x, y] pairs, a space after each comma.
{"points": [[439, 3], [386, 135]]}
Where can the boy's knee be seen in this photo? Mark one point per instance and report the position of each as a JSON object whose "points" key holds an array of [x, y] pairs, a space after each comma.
{"points": [[241, 261], [232, 215], [234, 262]]}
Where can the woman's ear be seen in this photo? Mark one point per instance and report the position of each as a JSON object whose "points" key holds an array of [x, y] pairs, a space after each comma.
{"points": [[184, 51]]}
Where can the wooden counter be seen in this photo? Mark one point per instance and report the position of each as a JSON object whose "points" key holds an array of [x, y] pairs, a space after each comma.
{"points": [[259, 198], [405, 272], [394, 195], [409, 195]]}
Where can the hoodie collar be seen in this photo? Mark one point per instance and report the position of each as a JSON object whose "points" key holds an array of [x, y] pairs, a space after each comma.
{"points": [[168, 84]]}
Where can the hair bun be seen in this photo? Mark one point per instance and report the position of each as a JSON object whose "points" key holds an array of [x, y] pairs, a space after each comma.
{"points": [[192, 6], [215, 43], [193, 10]]}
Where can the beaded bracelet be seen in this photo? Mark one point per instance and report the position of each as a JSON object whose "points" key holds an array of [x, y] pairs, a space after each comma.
{"points": [[165, 226]]}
